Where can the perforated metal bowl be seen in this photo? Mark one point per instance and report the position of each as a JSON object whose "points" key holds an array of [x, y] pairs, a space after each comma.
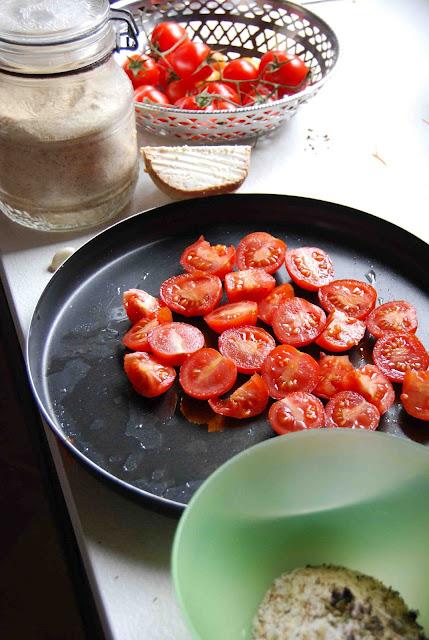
{"points": [[245, 28]]}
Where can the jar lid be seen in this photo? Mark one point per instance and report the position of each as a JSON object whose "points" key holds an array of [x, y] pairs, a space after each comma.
{"points": [[44, 22]]}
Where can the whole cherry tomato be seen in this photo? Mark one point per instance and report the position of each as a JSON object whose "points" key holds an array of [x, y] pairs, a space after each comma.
{"points": [[166, 35], [142, 69], [147, 93], [202, 103], [177, 89], [259, 94], [220, 91], [284, 69], [242, 74], [191, 60]]}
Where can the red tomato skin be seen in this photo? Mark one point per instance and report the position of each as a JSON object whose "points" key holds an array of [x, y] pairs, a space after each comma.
{"points": [[142, 69], [184, 285], [203, 103], [259, 94], [163, 341], [136, 338], [148, 376], [415, 394], [284, 69], [202, 256], [406, 344], [219, 90], [341, 332], [190, 61], [241, 74], [348, 401], [297, 411], [222, 377], [335, 372], [148, 94], [247, 401], [374, 386], [397, 315], [361, 303], [268, 305], [309, 267], [139, 304], [234, 344], [286, 369], [251, 246], [233, 315], [177, 89], [248, 284], [166, 35], [298, 322]]}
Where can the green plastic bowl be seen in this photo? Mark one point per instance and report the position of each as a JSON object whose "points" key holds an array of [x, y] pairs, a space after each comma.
{"points": [[353, 498]]}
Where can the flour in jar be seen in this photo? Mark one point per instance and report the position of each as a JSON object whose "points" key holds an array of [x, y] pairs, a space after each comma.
{"points": [[68, 145]]}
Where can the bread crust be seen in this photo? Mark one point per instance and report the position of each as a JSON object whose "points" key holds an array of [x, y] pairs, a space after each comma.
{"points": [[149, 155]]}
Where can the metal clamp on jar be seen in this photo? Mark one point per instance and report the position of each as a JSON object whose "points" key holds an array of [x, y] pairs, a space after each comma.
{"points": [[68, 144]]}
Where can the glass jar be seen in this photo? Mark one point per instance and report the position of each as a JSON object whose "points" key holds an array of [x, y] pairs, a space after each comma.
{"points": [[68, 143]]}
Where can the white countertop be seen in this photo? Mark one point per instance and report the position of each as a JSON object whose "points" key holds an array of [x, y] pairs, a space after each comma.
{"points": [[363, 141]]}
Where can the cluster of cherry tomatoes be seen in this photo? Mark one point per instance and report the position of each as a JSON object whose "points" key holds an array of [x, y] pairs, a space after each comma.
{"points": [[298, 382], [187, 74]]}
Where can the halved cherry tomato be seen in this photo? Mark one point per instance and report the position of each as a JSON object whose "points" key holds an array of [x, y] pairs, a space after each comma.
{"points": [[260, 250], [285, 69], [415, 394], [192, 294], [147, 93], [309, 267], [139, 304], [166, 35], [334, 374], [245, 402], [353, 297], [148, 376], [190, 60], [172, 342], [207, 374], [295, 412], [397, 315], [233, 315], [136, 337], [202, 256], [241, 73], [396, 353], [247, 347], [249, 284], [268, 305], [373, 385], [298, 322], [142, 69], [350, 410], [286, 369], [341, 332]]}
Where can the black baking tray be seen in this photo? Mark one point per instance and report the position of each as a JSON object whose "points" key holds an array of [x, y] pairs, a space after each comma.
{"points": [[75, 354]]}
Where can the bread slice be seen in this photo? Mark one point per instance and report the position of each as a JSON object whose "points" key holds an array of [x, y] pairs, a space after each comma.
{"points": [[197, 171], [333, 603]]}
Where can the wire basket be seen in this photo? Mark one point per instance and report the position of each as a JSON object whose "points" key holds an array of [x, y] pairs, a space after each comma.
{"points": [[240, 28]]}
